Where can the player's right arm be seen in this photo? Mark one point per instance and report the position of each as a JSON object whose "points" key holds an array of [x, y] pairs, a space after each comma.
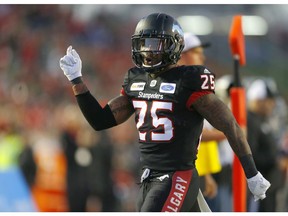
{"points": [[115, 112]]}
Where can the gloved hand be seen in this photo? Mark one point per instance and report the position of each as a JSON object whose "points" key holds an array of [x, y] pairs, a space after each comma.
{"points": [[258, 186], [71, 64]]}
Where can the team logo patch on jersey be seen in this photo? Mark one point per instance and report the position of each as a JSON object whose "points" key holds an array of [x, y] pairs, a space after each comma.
{"points": [[137, 86], [168, 88], [206, 70], [153, 83]]}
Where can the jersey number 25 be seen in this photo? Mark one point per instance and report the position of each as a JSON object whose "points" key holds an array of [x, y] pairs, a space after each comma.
{"points": [[208, 82], [156, 121]]}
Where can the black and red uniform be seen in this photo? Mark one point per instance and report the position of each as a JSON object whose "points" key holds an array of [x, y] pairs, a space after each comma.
{"points": [[169, 133]]}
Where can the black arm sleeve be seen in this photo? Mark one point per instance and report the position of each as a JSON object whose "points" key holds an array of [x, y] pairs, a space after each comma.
{"points": [[99, 118]]}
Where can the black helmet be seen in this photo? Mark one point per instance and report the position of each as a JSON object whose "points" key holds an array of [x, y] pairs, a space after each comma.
{"points": [[157, 42]]}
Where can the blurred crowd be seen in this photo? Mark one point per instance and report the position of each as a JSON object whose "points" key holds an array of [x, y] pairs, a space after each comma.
{"points": [[60, 155], [68, 166]]}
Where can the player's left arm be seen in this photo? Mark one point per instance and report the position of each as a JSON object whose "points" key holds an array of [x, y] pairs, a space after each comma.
{"points": [[220, 117]]}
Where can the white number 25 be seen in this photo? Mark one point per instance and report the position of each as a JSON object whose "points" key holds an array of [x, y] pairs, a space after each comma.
{"points": [[156, 121], [208, 81]]}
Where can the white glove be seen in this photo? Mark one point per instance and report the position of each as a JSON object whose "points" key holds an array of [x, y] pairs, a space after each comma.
{"points": [[258, 186], [71, 64]]}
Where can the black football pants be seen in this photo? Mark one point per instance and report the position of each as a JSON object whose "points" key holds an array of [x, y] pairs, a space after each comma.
{"points": [[168, 191]]}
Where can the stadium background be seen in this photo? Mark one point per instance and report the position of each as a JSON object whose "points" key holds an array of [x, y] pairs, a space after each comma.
{"points": [[38, 108]]}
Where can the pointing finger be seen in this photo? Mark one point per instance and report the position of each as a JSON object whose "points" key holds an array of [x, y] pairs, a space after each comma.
{"points": [[69, 50]]}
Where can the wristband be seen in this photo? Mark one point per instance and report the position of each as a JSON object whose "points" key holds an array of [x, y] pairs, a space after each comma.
{"points": [[248, 165], [77, 80]]}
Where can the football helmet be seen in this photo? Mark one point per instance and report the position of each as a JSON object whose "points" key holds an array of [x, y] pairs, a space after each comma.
{"points": [[157, 42]]}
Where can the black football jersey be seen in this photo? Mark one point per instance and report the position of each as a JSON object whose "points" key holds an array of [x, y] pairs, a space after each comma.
{"points": [[169, 130]]}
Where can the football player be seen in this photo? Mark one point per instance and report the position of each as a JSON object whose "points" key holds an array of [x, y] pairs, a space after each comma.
{"points": [[170, 103]]}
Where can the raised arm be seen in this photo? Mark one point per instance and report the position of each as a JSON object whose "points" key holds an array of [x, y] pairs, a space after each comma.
{"points": [[115, 112], [220, 117]]}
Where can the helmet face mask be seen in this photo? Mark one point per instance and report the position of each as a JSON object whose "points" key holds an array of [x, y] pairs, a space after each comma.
{"points": [[157, 42]]}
